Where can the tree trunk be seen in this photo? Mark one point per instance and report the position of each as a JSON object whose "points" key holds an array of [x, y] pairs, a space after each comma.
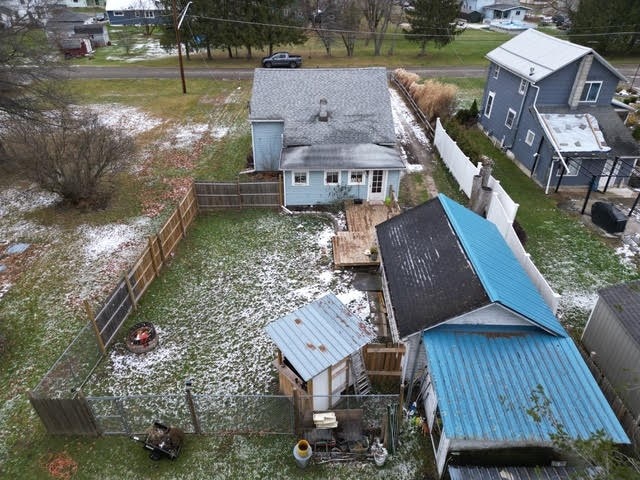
{"points": [[209, 56], [229, 51]]}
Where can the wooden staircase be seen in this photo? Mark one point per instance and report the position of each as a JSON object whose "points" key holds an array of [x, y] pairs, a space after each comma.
{"points": [[361, 383]]}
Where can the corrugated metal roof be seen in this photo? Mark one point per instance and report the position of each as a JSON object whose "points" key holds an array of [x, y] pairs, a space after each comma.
{"points": [[518, 473], [342, 156], [542, 52], [624, 302], [501, 274], [358, 104], [319, 335], [430, 279], [484, 377]]}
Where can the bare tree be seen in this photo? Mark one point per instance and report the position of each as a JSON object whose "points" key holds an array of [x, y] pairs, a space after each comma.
{"points": [[70, 153], [377, 13], [29, 66]]}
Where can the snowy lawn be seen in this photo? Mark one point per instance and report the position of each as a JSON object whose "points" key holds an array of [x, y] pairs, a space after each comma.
{"points": [[234, 273]]}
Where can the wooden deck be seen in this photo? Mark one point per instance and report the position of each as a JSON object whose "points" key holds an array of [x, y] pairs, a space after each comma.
{"points": [[349, 247]]}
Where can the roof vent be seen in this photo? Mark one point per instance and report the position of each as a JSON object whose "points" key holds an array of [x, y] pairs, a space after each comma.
{"points": [[323, 116], [531, 70]]}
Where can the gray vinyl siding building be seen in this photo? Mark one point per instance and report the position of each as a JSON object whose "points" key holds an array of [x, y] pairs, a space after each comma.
{"points": [[534, 84], [612, 335], [329, 131]]}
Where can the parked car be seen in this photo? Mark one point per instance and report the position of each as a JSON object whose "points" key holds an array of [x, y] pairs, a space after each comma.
{"points": [[282, 59]]}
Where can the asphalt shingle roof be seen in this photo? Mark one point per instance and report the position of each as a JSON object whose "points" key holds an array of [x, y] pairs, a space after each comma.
{"points": [[341, 156], [358, 104], [544, 53]]}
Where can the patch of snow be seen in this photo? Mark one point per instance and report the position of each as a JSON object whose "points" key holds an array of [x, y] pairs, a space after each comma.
{"points": [[17, 200], [184, 136], [220, 132], [131, 120], [412, 168], [105, 240], [401, 115]]}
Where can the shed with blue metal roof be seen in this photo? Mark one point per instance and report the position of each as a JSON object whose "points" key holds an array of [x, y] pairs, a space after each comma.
{"points": [[498, 371], [315, 344]]}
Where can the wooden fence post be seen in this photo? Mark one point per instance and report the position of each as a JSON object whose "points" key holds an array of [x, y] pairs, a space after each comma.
{"points": [[132, 295], [192, 409], [162, 256], [238, 193], [181, 218], [92, 318], [296, 411], [153, 257]]}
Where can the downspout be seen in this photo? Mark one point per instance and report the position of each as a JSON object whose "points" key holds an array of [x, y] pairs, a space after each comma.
{"points": [[550, 136]]}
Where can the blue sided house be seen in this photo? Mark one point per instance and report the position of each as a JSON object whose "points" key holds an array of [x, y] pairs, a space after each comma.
{"points": [[330, 133], [548, 102], [137, 12], [483, 346]]}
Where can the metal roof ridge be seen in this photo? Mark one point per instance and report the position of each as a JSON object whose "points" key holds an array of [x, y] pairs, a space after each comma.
{"points": [[492, 292]]}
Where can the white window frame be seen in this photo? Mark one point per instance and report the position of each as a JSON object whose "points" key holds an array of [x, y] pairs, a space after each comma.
{"points": [[530, 137], [496, 71], [489, 104], [136, 13], [508, 124], [590, 85], [149, 14], [327, 173], [523, 86], [361, 173], [574, 168], [295, 173], [118, 13]]}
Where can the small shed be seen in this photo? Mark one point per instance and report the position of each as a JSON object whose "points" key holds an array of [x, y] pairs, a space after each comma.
{"points": [[96, 32], [612, 335], [315, 345]]}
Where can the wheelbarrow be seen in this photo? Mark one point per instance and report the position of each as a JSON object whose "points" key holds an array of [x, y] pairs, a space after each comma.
{"points": [[162, 441]]}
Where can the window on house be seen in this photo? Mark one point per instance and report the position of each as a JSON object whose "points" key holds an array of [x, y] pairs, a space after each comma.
{"points": [[136, 13], [496, 71], [300, 178], [523, 87], [511, 117], [356, 177], [574, 167], [332, 177], [489, 105], [530, 137], [118, 13], [517, 12], [149, 14], [590, 92]]}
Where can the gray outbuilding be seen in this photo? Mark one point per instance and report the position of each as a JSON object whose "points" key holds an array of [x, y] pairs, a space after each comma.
{"points": [[612, 335]]}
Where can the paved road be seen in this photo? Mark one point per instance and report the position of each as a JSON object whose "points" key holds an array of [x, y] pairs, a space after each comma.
{"points": [[630, 71]]}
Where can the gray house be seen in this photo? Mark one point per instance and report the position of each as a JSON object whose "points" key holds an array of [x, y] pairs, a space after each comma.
{"points": [[548, 103], [329, 131], [613, 336], [96, 32], [137, 12]]}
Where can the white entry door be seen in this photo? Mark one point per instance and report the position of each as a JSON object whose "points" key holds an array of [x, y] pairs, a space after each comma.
{"points": [[377, 185]]}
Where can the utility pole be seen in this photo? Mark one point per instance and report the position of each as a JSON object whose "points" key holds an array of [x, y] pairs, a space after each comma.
{"points": [[176, 26]]}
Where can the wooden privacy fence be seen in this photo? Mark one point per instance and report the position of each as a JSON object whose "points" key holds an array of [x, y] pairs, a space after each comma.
{"points": [[127, 293], [212, 195], [383, 360], [66, 416]]}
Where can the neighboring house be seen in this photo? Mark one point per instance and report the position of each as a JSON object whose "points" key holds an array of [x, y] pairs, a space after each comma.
{"points": [[62, 22], [520, 473], [96, 32], [137, 12], [315, 346], [548, 102], [612, 335], [507, 12], [482, 342], [329, 131]]}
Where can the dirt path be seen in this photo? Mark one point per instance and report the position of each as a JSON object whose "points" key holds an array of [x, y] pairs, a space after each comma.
{"points": [[417, 149]]}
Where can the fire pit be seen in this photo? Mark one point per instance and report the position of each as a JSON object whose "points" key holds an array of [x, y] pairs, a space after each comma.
{"points": [[142, 337]]}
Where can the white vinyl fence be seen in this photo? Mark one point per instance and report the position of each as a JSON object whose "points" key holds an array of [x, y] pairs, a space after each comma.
{"points": [[501, 211]]}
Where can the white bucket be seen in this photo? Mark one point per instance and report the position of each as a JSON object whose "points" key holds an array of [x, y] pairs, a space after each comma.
{"points": [[302, 453]]}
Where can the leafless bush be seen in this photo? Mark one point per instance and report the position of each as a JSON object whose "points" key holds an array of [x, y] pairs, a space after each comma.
{"points": [[68, 152]]}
